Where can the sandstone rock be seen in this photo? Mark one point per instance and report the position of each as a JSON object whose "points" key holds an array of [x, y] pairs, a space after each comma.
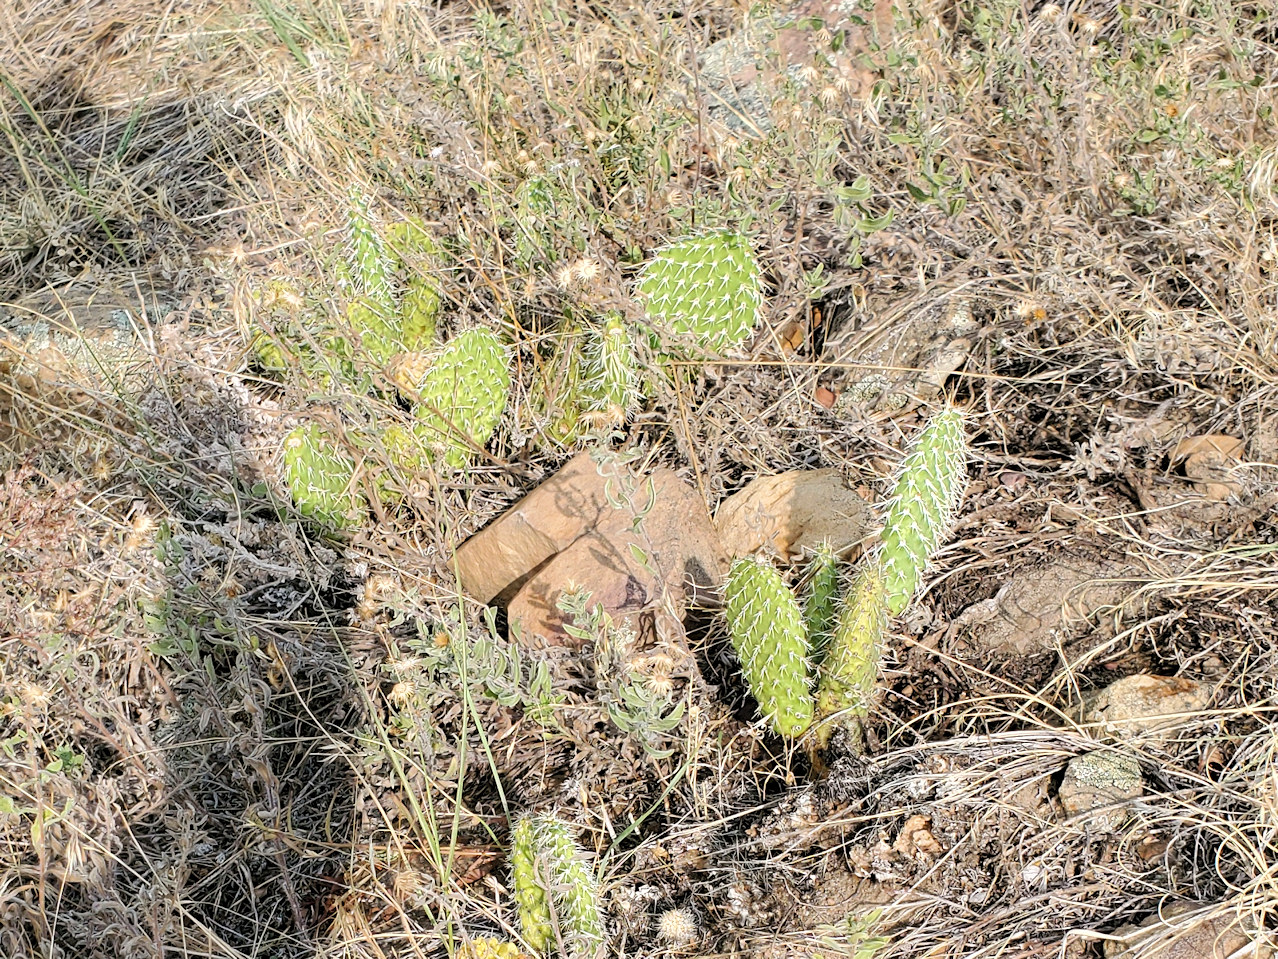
{"points": [[1100, 782], [642, 576], [636, 544], [793, 511], [1142, 705]]}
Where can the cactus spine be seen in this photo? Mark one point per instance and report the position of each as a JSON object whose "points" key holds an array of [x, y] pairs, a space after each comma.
{"points": [[851, 668], [919, 517], [554, 885], [822, 605], [460, 399], [704, 288], [320, 477], [770, 637]]}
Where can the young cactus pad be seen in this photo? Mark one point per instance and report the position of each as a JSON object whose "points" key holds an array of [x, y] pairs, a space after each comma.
{"points": [[549, 870], [770, 637], [928, 490], [821, 607], [706, 288], [461, 397], [320, 477], [851, 668], [369, 262], [611, 371]]}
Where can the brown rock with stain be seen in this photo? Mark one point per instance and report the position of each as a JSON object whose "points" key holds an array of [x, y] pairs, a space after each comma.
{"points": [[641, 575], [791, 512], [636, 544], [1143, 705], [549, 519]]}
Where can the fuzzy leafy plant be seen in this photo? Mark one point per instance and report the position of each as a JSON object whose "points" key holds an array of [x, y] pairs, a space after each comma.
{"points": [[321, 478], [555, 888]]}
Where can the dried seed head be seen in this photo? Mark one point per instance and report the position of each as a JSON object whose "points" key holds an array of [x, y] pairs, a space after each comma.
{"points": [[679, 927]]}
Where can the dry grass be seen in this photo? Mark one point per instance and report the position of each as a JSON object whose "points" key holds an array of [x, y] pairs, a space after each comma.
{"points": [[222, 734]]}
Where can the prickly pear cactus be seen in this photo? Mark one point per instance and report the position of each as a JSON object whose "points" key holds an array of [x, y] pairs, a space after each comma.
{"points": [[770, 637], [548, 868], [705, 289], [370, 266], [919, 517], [851, 669], [820, 609], [611, 373], [462, 396], [531, 886], [321, 478], [416, 252]]}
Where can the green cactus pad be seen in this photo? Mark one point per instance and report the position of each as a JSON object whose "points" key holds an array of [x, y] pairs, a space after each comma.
{"points": [[611, 371], [928, 490], [705, 290], [851, 669], [548, 868], [419, 312], [462, 396], [321, 478], [370, 266], [531, 894], [820, 609], [770, 637]]}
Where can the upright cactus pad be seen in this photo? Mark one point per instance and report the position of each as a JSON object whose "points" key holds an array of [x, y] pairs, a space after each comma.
{"points": [[706, 289], [611, 371], [820, 609], [531, 882], [549, 870], [321, 478], [851, 669], [770, 637], [928, 490], [370, 265], [462, 396]]}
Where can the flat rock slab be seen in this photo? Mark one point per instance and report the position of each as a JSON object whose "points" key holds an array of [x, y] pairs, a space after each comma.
{"points": [[1143, 705], [791, 512], [637, 544], [1189, 931], [1036, 609]]}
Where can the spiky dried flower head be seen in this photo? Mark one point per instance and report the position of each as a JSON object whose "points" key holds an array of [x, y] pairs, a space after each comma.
{"points": [[678, 927], [768, 632], [927, 492]]}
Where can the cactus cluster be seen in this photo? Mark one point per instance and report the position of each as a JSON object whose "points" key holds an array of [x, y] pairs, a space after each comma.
{"points": [[705, 290], [321, 478], [555, 888], [842, 639]]}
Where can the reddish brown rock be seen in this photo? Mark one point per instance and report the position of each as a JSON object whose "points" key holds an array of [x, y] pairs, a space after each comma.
{"points": [[636, 544]]}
